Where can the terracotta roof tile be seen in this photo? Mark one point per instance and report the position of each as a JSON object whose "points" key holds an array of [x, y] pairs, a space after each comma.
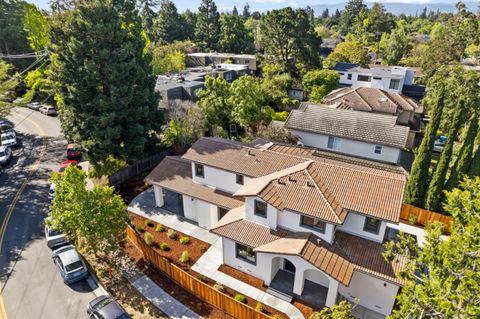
{"points": [[175, 174]]}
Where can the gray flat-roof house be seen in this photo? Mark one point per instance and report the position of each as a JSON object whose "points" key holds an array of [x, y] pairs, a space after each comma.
{"points": [[173, 88], [367, 135], [198, 59]]}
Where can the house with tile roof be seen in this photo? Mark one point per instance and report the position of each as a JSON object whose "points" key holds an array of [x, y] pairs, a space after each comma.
{"points": [[309, 224], [374, 100], [367, 135]]}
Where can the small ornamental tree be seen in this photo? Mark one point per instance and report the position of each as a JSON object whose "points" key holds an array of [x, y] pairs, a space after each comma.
{"points": [[319, 83], [442, 280], [341, 310], [96, 218]]}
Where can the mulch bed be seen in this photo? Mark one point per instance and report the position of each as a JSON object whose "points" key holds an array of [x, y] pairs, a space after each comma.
{"points": [[304, 309], [195, 247], [240, 275]]}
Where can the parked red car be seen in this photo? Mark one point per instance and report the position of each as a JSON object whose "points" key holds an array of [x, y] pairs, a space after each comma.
{"points": [[65, 164], [73, 151]]}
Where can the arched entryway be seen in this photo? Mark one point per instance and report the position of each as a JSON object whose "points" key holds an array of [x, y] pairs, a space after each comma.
{"points": [[283, 277], [315, 288]]}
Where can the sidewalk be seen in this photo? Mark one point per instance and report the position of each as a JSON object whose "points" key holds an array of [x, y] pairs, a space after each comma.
{"points": [[208, 264], [151, 291]]}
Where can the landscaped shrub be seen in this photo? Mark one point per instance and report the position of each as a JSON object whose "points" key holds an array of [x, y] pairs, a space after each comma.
{"points": [[413, 219], [139, 229], [164, 247], [201, 277], [184, 240], [185, 257], [259, 307], [148, 238], [149, 223], [218, 286], [171, 234], [159, 228], [203, 249], [241, 298]]}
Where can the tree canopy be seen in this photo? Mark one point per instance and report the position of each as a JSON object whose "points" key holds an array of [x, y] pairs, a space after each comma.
{"points": [[108, 105], [207, 29]]}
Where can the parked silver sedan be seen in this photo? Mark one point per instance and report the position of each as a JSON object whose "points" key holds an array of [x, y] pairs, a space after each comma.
{"points": [[69, 264]]}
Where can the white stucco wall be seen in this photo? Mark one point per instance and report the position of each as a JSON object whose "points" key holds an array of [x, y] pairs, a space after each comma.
{"points": [[383, 84], [291, 221], [348, 146], [204, 213], [229, 258], [354, 225], [373, 293], [270, 220], [220, 179]]}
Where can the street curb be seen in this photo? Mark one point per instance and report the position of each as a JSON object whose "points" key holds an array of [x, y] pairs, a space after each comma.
{"points": [[93, 281]]}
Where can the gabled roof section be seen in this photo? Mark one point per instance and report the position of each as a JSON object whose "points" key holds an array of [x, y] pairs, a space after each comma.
{"points": [[367, 127], [238, 158], [372, 100], [300, 190], [175, 174]]}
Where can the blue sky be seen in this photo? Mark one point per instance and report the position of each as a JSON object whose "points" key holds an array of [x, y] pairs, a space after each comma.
{"points": [[260, 5]]}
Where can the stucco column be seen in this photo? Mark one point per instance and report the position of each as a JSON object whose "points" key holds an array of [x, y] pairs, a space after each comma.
{"points": [[332, 293], [267, 269], [158, 196], [298, 283]]}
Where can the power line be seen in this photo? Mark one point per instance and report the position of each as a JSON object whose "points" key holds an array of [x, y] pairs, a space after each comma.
{"points": [[27, 69], [31, 55]]}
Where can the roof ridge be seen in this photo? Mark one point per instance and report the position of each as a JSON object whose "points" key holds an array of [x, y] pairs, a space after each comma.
{"points": [[331, 203], [363, 100]]}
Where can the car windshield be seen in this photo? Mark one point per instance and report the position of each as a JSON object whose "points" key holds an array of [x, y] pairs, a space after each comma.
{"points": [[53, 232], [7, 137], [123, 316], [102, 303], [74, 266], [2, 154]]}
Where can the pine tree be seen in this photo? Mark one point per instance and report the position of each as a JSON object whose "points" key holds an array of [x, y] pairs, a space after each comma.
{"points": [[464, 157], [434, 197], [234, 37], [148, 15], [416, 188], [167, 23], [106, 87], [474, 169], [235, 11], [246, 11], [207, 30]]}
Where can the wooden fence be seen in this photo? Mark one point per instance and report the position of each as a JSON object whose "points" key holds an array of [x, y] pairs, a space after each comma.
{"points": [[119, 178], [424, 216], [193, 285]]}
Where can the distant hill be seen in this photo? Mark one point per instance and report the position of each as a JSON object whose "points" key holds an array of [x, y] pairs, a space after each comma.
{"points": [[399, 8]]}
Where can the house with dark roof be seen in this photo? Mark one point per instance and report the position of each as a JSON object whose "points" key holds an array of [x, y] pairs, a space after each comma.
{"points": [[308, 223], [366, 135], [407, 110]]}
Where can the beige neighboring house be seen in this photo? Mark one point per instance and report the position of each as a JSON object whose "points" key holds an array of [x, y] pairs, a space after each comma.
{"points": [[407, 110], [308, 223]]}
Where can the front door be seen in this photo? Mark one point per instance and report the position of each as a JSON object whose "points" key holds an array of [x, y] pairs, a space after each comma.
{"points": [[288, 266]]}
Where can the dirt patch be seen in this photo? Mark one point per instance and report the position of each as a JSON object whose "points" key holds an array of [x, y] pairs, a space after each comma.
{"points": [[246, 278], [123, 292], [194, 247], [304, 309]]}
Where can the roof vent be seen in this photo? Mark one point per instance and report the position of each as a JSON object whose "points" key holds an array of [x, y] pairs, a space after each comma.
{"points": [[250, 153], [291, 179], [383, 99], [281, 182], [310, 184]]}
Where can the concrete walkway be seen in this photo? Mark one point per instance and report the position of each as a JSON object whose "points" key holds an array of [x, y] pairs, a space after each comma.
{"points": [[212, 259], [150, 290]]}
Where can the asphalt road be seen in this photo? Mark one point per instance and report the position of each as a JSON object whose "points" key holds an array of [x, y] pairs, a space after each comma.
{"points": [[31, 287]]}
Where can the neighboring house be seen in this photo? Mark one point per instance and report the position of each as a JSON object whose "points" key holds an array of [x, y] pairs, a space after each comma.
{"points": [[212, 59], [407, 110], [366, 135], [176, 87], [308, 224], [388, 78], [297, 92]]}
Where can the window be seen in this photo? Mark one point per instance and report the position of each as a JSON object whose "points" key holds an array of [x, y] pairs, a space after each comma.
{"points": [[364, 78], [222, 212], [199, 170], [378, 149], [394, 84], [333, 143], [260, 208], [349, 76], [377, 78], [246, 253], [341, 73], [313, 223], [239, 179], [372, 225], [228, 76]]}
